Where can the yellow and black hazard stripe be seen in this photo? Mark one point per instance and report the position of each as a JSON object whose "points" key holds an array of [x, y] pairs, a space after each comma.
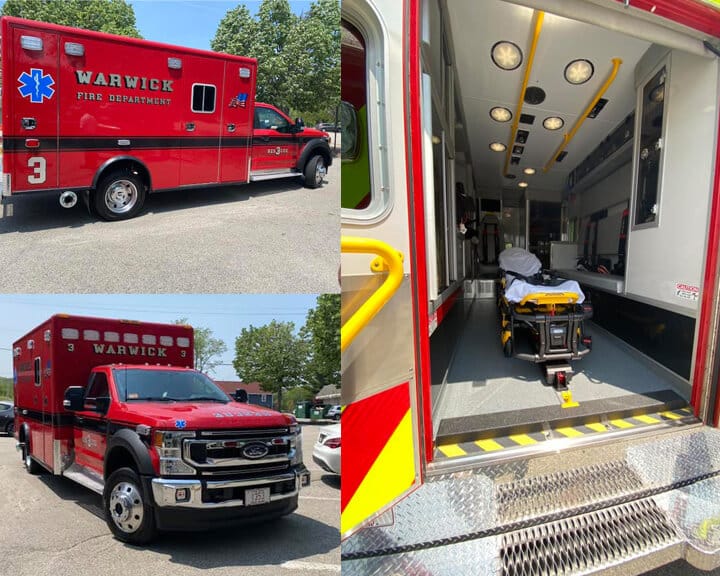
{"points": [[482, 446]]}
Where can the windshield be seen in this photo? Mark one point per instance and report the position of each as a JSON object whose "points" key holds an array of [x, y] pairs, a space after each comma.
{"points": [[166, 386]]}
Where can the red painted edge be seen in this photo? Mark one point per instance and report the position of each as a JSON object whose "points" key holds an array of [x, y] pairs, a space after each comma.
{"points": [[691, 13], [413, 165], [708, 294], [442, 312], [366, 428]]}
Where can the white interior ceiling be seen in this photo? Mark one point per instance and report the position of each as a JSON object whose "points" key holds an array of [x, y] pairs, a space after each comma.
{"points": [[474, 28]]}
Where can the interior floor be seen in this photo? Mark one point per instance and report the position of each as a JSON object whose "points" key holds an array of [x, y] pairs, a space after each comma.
{"points": [[485, 391]]}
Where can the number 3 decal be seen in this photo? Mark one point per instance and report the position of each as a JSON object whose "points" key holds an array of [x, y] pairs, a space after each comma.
{"points": [[37, 163]]}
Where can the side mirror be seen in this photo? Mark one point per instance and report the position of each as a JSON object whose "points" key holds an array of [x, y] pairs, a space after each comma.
{"points": [[73, 399], [299, 123], [241, 395]]}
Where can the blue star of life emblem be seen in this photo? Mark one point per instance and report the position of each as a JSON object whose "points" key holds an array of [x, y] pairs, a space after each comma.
{"points": [[180, 423], [37, 85]]}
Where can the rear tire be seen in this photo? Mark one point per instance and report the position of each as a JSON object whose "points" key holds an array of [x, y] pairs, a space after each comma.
{"points": [[128, 511], [30, 465], [315, 172], [10, 428], [119, 196]]}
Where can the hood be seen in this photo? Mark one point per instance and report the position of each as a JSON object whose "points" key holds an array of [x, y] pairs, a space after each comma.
{"points": [[200, 415], [315, 133]]}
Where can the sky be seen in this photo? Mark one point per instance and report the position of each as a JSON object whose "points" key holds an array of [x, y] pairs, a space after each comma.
{"points": [[224, 314]]}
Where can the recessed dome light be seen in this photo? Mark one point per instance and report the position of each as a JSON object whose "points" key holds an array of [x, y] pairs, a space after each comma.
{"points": [[498, 147], [523, 184], [506, 55], [500, 114], [579, 71], [553, 123], [529, 171]]}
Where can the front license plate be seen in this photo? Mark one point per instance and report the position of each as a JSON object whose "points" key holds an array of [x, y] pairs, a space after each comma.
{"points": [[255, 496]]}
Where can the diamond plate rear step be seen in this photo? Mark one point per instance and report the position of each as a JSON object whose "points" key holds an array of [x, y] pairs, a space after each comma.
{"points": [[630, 505]]}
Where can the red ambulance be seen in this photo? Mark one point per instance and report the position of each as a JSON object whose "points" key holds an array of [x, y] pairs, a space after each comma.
{"points": [[111, 119], [116, 406]]}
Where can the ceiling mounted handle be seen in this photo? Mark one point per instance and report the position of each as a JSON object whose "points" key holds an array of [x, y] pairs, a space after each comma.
{"points": [[539, 16], [599, 94]]}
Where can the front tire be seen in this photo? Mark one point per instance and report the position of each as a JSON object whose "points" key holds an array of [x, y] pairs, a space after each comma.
{"points": [[119, 196], [128, 512], [315, 172]]}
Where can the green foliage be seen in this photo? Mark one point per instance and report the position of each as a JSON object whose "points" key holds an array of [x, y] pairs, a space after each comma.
{"points": [[207, 349], [298, 56], [6, 388], [295, 395], [112, 16], [272, 355], [322, 335]]}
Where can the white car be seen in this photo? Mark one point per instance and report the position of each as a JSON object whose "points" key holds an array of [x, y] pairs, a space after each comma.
{"points": [[326, 452]]}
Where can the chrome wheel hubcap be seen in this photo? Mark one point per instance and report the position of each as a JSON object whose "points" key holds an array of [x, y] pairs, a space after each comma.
{"points": [[126, 508], [121, 196], [320, 172]]}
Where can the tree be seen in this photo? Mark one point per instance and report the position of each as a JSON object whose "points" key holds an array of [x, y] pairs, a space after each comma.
{"points": [[207, 349], [271, 355], [298, 56], [112, 16], [295, 395], [322, 335]]}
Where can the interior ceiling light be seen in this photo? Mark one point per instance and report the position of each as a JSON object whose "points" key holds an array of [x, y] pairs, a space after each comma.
{"points": [[579, 71], [523, 184], [658, 93], [436, 139], [498, 147], [553, 123], [500, 114], [506, 55], [529, 171]]}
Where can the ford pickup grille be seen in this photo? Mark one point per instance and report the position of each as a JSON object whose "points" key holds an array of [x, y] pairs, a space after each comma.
{"points": [[247, 451]]}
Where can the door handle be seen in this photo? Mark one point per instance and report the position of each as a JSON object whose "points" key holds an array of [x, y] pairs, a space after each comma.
{"points": [[190, 126], [29, 123], [231, 127], [265, 138]]}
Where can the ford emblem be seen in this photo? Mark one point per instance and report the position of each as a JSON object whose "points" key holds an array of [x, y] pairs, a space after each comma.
{"points": [[255, 450]]}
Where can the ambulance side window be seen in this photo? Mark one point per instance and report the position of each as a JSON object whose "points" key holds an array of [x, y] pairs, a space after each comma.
{"points": [[98, 389], [203, 98]]}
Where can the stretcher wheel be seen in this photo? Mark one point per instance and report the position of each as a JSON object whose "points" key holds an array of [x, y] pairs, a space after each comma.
{"points": [[508, 348]]}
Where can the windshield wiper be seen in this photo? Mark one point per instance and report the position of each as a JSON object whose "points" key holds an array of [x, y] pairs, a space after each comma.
{"points": [[207, 398], [153, 399]]}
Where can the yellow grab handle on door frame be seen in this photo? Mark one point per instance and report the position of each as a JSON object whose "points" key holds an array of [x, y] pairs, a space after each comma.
{"points": [[394, 264]]}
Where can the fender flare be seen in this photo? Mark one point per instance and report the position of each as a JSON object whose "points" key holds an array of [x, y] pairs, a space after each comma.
{"points": [[114, 160], [312, 148], [129, 441]]}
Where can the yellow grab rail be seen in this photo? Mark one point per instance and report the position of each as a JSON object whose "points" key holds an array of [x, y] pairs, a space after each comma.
{"points": [[539, 16], [570, 135], [394, 264]]}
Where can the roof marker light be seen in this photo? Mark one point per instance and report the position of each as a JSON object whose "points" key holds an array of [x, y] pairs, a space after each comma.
{"points": [[31, 43], [244, 72], [174, 63]]}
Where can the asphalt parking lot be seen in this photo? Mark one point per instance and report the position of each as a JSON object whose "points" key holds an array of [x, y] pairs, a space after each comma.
{"points": [[267, 237], [53, 527]]}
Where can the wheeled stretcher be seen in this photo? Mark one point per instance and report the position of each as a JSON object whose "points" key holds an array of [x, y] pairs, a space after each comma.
{"points": [[548, 309]]}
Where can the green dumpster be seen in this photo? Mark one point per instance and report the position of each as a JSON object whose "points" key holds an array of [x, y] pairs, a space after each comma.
{"points": [[316, 413]]}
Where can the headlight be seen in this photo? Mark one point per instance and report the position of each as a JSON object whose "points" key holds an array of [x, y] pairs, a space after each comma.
{"points": [[168, 445], [296, 455]]}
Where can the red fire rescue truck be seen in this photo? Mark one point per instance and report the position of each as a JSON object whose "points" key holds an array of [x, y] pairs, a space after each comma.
{"points": [[583, 130], [115, 118], [115, 406]]}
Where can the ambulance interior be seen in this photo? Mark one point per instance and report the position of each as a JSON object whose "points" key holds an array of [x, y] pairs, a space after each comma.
{"points": [[610, 164]]}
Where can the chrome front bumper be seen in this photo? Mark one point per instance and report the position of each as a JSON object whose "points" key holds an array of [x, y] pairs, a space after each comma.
{"points": [[165, 490]]}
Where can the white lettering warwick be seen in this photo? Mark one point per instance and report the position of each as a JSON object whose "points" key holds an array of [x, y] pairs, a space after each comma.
{"points": [[120, 350], [88, 77]]}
